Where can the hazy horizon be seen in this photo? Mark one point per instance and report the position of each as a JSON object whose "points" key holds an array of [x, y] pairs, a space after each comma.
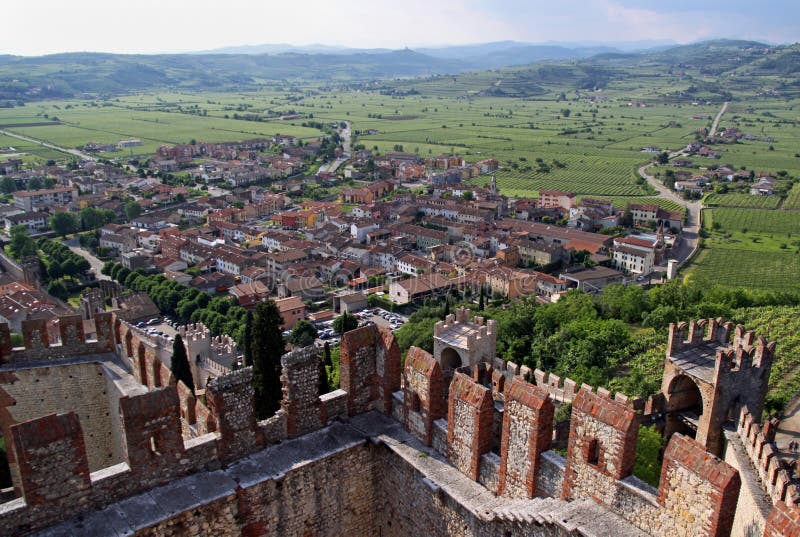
{"points": [[40, 27]]}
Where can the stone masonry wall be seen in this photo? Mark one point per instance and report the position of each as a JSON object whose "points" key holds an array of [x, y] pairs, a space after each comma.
{"points": [[470, 424], [369, 369], [300, 382], [754, 504], [527, 433], [602, 447], [423, 399], [697, 491], [783, 521], [81, 388], [328, 497]]}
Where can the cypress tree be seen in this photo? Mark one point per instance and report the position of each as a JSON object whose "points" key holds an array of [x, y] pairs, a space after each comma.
{"points": [[324, 381], [326, 353], [247, 348], [266, 349], [480, 300], [180, 363], [446, 306]]}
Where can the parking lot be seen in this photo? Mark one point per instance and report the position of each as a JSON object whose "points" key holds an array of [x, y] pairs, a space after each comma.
{"points": [[376, 316], [158, 326]]}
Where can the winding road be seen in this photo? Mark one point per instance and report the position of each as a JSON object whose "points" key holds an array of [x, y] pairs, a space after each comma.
{"points": [[691, 230]]}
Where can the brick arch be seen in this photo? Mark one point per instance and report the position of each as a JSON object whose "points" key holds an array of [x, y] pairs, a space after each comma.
{"points": [[683, 396], [450, 359]]}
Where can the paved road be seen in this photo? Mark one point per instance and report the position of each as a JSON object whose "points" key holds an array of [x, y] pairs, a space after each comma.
{"points": [[96, 264], [691, 228], [715, 124], [73, 152]]}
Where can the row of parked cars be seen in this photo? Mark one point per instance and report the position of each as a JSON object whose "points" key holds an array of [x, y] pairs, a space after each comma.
{"points": [[394, 320]]}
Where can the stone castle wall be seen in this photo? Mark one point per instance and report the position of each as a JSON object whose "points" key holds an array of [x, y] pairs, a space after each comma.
{"points": [[482, 469], [79, 388]]}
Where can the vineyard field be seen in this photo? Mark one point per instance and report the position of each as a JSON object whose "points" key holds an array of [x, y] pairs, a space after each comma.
{"points": [[756, 220], [778, 271], [743, 201]]}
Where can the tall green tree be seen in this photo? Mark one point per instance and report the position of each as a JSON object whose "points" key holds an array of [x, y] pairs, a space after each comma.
{"points": [[247, 346], [180, 363], [35, 183], [7, 185], [344, 323], [481, 300], [324, 364], [92, 218], [21, 244], [303, 334], [267, 347], [64, 223]]}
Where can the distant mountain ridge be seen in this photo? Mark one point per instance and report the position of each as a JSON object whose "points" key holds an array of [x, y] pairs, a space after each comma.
{"points": [[70, 74]]}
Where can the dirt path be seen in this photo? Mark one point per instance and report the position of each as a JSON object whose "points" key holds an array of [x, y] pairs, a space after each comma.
{"points": [[714, 125], [73, 152]]}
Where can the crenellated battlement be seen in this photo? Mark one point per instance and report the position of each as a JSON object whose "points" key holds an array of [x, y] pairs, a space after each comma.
{"points": [[734, 348], [493, 423], [758, 441], [463, 340], [713, 370], [49, 340], [600, 452]]}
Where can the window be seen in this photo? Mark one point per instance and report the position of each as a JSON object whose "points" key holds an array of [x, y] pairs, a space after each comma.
{"points": [[591, 451]]}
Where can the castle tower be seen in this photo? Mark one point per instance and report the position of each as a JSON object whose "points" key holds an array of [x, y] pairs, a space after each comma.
{"points": [[459, 341], [711, 372]]}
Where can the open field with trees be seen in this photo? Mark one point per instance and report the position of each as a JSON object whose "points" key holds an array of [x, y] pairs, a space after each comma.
{"points": [[753, 248]]}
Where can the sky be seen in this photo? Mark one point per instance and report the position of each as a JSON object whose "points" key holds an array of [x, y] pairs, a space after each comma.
{"points": [[35, 27]]}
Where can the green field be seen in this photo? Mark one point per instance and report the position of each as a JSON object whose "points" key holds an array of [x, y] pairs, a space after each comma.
{"points": [[742, 200], [778, 271], [753, 248], [792, 201], [579, 146], [755, 220]]}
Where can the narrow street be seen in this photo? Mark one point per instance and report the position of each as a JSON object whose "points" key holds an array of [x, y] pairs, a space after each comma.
{"points": [[97, 265]]}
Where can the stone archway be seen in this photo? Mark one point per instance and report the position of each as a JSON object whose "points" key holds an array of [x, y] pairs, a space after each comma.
{"points": [[450, 359], [684, 406]]}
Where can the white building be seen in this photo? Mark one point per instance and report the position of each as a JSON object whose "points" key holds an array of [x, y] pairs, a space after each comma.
{"points": [[634, 256]]}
